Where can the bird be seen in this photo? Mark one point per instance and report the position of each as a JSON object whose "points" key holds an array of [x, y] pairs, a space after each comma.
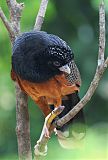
{"points": [[40, 65]]}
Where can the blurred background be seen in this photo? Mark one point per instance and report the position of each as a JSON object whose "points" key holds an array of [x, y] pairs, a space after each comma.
{"points": [[77, 23]]}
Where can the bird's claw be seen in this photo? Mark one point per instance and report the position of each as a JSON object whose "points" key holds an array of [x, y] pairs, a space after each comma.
{"points": [[46, 132], [49, 119]]}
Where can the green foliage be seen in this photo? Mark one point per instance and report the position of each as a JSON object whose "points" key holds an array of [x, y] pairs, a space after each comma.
{"points": [[77, 23]]}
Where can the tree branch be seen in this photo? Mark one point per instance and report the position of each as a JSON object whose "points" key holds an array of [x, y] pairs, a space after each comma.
{"points": [[101, 67], [102, 34], [15, 8], [7, 24], [22, 125], [15, 14], [41, 15]]}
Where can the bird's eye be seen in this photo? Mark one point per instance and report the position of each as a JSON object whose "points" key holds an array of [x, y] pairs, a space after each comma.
{"points": [[56, 63]]}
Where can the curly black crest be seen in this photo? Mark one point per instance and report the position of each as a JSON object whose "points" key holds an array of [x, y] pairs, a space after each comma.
{"points": [[38, 55]]}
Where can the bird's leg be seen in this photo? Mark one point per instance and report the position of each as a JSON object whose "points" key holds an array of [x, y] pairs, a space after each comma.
{"points": [[43, 105], [41, 143], [50, 118]]}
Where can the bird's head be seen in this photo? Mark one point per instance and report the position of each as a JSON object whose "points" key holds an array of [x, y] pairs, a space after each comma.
{"points": [[58, 58]]}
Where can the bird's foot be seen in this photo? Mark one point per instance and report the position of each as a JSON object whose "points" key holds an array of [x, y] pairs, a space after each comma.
{"points": [[46, 131], [40, 148], [49, 119]]}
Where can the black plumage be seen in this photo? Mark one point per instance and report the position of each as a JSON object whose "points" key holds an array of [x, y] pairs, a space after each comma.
{"points": [[38, 55]]}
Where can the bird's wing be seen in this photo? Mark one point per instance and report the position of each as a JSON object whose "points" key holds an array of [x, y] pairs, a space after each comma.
{"points": [[74, 77], [31, 90]]}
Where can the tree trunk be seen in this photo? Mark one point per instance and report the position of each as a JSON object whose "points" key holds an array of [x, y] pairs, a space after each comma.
{"points": [[22, 125]]}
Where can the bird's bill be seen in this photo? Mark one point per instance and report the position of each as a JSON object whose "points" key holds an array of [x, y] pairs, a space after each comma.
{"points": [[65, 69]]}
